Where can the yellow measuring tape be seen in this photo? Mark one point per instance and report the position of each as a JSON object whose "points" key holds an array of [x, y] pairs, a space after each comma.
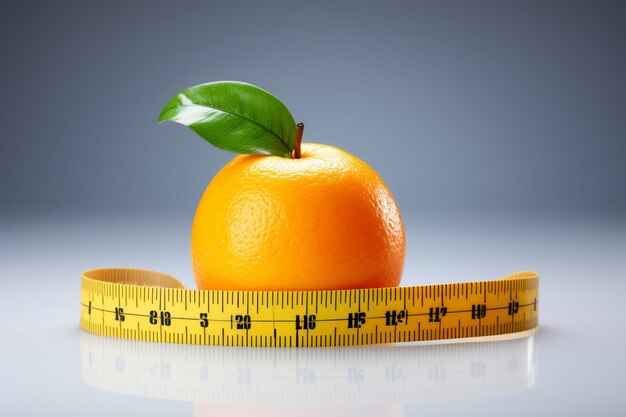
{"points": [[146, 305]]}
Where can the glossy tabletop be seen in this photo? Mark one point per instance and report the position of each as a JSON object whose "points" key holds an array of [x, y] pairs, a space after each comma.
{"points": [[573, 366]]}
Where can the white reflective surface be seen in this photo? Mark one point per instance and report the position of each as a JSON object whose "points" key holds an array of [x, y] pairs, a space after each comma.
{"points": [[573, 366], [377, 375]]}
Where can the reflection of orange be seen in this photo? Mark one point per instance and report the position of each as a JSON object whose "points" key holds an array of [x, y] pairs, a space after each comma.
{"points": [[288, 410], [325, 221]]}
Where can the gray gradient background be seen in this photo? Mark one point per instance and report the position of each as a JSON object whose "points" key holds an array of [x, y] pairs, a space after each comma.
{"points": [[500, 128], [470, 105]]}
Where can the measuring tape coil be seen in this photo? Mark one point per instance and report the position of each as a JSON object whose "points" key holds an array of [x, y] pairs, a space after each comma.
{"points": [[146, 305]]}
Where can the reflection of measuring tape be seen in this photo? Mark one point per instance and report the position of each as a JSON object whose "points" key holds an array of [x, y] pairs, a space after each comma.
{"points": [[146, 305], [357, 377]]}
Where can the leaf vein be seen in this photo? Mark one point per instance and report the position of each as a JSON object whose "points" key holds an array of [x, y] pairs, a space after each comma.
{"points": [[238, 115]]}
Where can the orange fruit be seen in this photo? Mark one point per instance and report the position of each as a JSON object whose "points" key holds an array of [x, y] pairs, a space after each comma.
{"points": [[325, 221]]}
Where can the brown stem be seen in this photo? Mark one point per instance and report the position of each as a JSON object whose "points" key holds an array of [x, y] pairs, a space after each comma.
{"points": [[297, 149]]}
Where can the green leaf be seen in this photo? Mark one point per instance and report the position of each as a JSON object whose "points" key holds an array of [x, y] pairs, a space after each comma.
{"points": [[235, 116]]}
